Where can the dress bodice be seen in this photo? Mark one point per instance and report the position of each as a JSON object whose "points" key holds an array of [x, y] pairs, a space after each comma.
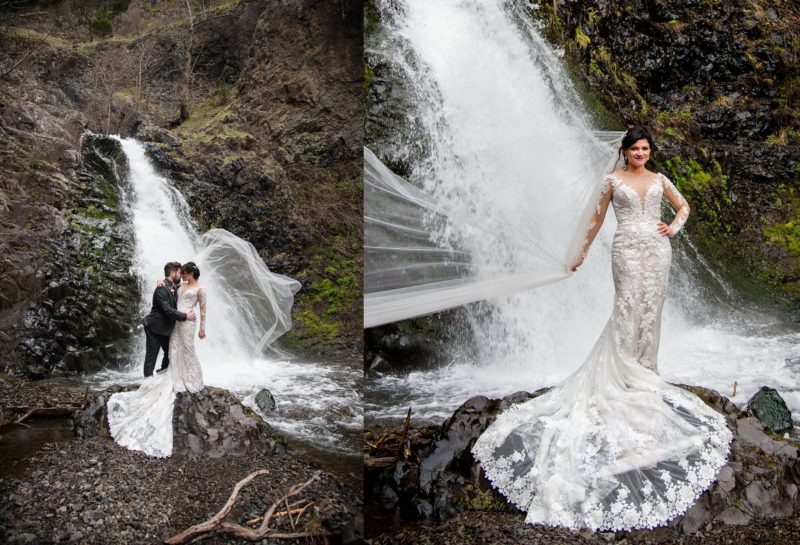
{"points": [[187, 298], [631, 207]]}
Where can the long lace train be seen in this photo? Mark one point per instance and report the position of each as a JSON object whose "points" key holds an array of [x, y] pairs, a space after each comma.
{"points": [[613, 446]]}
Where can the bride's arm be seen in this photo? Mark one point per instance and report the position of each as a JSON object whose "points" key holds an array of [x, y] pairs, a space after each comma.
{"points": [[201, 300], [595, 223], [681, 207]]}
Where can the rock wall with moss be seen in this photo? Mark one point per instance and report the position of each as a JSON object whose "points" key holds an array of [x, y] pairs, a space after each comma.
{"points": [[719, 84], [271, 150]]}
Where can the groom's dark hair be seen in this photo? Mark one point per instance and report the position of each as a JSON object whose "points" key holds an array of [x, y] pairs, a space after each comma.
{"points": [[171, 267]]}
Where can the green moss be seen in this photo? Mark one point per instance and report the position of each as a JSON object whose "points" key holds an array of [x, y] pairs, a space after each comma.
{"points": [[785, 231], [371, 17], [581, 39], [786, 235], [331, 301], [484, 500], [629, 81], [691, 178], [86, 49], [785, 137], [594, 69], [369, 75], [212, 122], [313, 325], [35, 36], [603, 115]]}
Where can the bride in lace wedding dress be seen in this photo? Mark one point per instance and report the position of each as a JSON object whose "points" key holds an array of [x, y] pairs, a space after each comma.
{"points": [[142, 419], [614, 446]]}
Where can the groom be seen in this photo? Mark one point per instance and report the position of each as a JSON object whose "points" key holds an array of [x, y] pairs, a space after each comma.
{"points": [[159, 323]]}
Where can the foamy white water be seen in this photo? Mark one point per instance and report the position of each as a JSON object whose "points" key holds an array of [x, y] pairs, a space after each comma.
{"points": [[484, 79], [316, 401]]}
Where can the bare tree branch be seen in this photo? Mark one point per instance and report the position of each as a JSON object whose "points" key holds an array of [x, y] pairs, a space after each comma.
{"points": [[30, 51], [217, 525]]}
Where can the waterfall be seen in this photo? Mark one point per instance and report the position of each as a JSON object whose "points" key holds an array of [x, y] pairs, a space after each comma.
{"points": [[316, 401], [492, 126]]}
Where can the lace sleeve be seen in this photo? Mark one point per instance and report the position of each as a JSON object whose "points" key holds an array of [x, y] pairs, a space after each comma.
{"points": [[201, 300], [680, 204], [598, 217]]}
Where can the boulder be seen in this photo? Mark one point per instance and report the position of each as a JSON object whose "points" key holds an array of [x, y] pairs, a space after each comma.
{"points": [[769, 407], [265, 400], [93, 420], [211, 422]]}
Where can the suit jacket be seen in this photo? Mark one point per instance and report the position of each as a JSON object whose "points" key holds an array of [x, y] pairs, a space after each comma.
{"points": [[164, 313]]}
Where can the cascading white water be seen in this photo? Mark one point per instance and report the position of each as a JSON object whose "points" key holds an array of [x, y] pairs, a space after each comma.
{"points": [[317, 402], [494, 104]]}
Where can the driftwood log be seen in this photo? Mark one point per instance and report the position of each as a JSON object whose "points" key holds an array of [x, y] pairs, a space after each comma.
{"points": [[44, 412], [218, 525]]}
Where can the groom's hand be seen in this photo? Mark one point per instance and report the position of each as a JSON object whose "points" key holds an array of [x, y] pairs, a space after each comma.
{"points": [[190, 315]]}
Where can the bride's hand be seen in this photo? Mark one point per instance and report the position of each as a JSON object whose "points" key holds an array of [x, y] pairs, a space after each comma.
{"points": [[160, 283], [202, 334], [664, 230]]}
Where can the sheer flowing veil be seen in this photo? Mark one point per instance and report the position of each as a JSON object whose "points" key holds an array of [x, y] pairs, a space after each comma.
{"points": [[242, 278], [426, 252]]}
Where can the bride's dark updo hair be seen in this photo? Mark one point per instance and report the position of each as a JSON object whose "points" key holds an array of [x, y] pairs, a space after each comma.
{"points": [[635, 134], [191, 268]]}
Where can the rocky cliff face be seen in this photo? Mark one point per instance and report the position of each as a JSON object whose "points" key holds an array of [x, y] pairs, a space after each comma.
{"points": [[270, 151], [719, 83], [69, 303]]}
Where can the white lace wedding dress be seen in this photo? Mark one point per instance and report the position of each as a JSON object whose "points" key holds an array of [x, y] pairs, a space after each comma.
{"points": [[613, 446], [142, 419]]}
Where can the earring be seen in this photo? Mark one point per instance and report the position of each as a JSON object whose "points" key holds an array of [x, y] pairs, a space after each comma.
{"points": [[626, 163]]}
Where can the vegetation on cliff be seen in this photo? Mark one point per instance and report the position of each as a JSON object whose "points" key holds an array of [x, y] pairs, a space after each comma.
{"points": [[718, 83], [268, 147]]}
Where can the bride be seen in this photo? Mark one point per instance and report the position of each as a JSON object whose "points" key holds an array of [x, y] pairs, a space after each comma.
{"points": [[142, 419], [614, 446]]}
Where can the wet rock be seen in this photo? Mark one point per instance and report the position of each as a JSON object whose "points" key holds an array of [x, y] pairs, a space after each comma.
{"points": [[82, 314], [214, 423], [446, 480], [421, 343], [265, 400], [92, 421], [769, 407]]}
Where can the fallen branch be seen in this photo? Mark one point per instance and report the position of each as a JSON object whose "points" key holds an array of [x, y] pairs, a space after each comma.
{"points": [[258, 519], [216, 524], [47, 412], [380, 462]]}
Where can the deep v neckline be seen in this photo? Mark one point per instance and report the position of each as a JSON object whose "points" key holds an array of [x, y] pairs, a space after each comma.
{"points": [[642, 197]]}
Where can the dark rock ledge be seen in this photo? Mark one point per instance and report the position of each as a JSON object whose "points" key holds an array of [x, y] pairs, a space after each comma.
{"points": [[211, 422]]}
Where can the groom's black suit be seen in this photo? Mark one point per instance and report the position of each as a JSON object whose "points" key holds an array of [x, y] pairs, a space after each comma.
{"points": [[158, 325]]}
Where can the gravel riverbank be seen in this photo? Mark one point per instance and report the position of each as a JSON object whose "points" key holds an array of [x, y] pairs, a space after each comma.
{"points": [[493, 528], [93, 491]]}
